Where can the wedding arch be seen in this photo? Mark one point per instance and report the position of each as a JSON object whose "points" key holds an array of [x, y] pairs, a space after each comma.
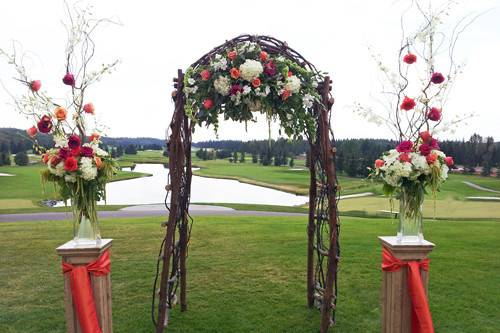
{"points": [[244, 75]]}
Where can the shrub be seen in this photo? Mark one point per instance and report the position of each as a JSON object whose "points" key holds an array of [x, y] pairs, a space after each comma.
{"points": [[21, 158]]}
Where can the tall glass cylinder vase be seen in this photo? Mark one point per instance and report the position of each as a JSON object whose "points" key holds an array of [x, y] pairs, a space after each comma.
{"points": [[410, 215], [86, 228]]}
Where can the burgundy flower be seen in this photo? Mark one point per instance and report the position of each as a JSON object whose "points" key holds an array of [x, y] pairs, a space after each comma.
{"points": [[270, 68], [434, 144], [434, 114], [64, 153], [437, 78], [425, 149], [407, 104], [87, 151], [45, 124], [235, 88], [74, 141], [410, 58], [69, 79], [405, 147]]}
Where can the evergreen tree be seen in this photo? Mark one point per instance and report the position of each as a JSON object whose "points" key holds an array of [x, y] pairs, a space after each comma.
{"points": [[255, 157], [235, 157], [242, 157], [292, 162]]}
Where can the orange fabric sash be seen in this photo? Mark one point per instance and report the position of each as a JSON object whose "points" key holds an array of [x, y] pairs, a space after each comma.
{"points": [[421, 316], [83, 298]]}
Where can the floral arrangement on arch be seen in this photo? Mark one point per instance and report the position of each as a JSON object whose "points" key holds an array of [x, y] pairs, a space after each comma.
{"points": [[76, 165], [245, 79]]}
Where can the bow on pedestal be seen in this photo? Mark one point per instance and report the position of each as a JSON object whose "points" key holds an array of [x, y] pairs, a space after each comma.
{"points": [[83, 297], [421, 316]]}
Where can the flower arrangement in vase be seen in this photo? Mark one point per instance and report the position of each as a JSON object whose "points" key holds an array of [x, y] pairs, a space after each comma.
{"points": [[416, 94], [75, 164]]}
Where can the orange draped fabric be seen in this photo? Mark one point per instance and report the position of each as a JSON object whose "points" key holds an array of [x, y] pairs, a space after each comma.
{"points": [[83, 298], [421, 316]]}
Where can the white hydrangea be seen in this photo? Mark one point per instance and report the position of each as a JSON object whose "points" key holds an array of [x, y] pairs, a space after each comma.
{"points": [[58, 170], [420, 163], [60, 141], [392, 180], [293, 84], [251, 69], [71, 178], [393, 155], [246, 90], [307, 101], [222, 85], [89, 171], [219, 63]]}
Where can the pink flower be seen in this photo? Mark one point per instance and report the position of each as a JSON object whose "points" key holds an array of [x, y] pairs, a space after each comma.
{"points": [[434, 114], [379, 163], [208, 103], [425, 136], [69, 79], [35, 85], [89, 108], [407, 104], [437, 78], [425, 149], [434, 144], [410, 58], [405, 147], [205, 75], [32, 131], [270, 68], [405, 157], [87, 151], [449, 161], [74, 141]]}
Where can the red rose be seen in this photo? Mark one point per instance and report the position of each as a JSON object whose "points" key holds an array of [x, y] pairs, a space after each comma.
{"points": [[71, 164], [425, 136], [87, 151], [256, 82], [235, 73], [425, 149], [449, 161], [45, 124], [76, 151], [35, 85], [74, 141], [410, 58], [232, 55], [205, 75], [404, 147], [431, 158], [32, 131], [263, 55], [434, 114], [379, 163], [208, 103], [69, 79], [89, 108], [270, 68], [407, 104], [64, 153], [437, 78], [405, 157]]}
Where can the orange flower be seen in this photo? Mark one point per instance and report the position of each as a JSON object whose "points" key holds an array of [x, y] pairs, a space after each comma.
{"points": [[232, 55], [286, 93], [94, 136], [60, 113], [45, 158], [98, 162], [256, 82], [431, 158], [263, 55], [235, 73]]}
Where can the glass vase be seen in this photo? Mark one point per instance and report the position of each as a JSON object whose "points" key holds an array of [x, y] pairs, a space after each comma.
{"points": [[85, 229], [410, 215]]}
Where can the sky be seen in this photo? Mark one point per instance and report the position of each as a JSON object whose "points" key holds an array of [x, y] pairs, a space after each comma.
{"points": [[155, 38]]}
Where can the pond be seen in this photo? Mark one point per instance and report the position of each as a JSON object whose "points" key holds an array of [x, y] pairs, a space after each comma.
{"points": [[151, 190]]}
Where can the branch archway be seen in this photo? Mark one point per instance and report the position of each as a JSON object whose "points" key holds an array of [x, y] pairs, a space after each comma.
{"points": [[323, 250]]}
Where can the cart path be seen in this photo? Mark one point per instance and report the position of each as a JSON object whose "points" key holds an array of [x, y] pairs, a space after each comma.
{"points": [[477, 187]]}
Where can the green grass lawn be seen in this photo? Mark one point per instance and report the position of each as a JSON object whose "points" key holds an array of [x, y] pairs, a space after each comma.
{"points": [[142, 156], [23, 191], [247, 274]]}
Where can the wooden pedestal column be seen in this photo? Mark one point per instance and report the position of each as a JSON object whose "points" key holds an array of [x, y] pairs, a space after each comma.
{"points": [[395, 301], [101, 285]]}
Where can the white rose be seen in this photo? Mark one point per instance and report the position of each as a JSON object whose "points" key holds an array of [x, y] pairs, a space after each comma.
{"points": [[251, 69]]}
